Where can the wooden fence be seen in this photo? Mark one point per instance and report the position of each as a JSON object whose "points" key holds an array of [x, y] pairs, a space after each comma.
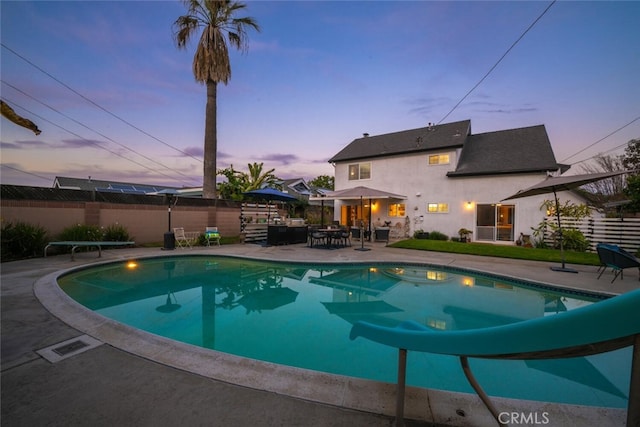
{"points": [[624, 232], [254, 219]]}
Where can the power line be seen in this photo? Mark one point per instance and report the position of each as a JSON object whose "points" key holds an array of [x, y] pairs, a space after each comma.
{"points": [[25, 172], [93, 130], [91, 142], [602, 139], [97, 105], [499, 61]]}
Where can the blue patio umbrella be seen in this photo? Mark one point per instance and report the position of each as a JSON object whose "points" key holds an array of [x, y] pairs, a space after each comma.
{"points": [[269, 195]]}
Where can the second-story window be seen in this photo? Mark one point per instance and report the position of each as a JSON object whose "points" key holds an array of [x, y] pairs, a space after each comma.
{"points": [[439, 159], [359, 171]]}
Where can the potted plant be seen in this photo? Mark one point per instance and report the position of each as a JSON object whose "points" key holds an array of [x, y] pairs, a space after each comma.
{"points": [[465, 234], [420, 234]]}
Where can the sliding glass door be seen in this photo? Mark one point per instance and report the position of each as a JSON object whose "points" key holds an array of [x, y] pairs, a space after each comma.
{"points": [[495, 222]]}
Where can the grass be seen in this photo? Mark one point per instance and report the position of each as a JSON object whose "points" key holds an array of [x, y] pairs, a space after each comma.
{"points": [[501, 251]]}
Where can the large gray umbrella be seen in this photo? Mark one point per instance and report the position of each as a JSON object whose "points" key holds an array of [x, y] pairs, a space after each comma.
{"points": [[361, 193], [553, 184]]}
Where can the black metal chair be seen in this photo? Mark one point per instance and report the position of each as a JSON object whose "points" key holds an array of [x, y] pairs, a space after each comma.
{"points": [[617, 259], [316, 237]]}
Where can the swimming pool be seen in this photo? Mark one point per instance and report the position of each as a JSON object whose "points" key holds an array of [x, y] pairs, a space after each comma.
{"points": [[300, 315]]}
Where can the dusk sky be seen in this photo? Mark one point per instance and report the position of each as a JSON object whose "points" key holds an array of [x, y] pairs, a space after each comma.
{"points": [[116, 100]]}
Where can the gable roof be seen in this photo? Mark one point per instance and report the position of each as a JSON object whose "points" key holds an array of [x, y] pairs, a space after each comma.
{"points": [[434, 137], [508, 151]]}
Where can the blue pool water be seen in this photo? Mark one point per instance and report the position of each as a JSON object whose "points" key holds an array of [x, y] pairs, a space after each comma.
{"points": [[301, 315]]}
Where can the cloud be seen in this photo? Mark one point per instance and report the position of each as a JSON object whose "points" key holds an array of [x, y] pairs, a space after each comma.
{"points": [[22, 145], [427, 105], [194, 152], [81, 143], [283, 159], [511, 110]]}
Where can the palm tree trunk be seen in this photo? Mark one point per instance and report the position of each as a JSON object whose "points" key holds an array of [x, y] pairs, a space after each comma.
{"points": [[210, 142]]}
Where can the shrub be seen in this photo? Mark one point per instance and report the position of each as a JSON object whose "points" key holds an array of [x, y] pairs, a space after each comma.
{"points": [[436, 235], [573, 239], [116, 233], [89, 233], [21, 240]]}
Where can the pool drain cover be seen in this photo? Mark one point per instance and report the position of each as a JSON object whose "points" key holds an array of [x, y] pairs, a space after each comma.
{"points": [[72, 347], [65, 349]]}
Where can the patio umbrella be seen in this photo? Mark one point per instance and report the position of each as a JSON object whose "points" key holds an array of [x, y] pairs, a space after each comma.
{"points": [[269, 195], [553, 184], [268, 299], [361, 193]]}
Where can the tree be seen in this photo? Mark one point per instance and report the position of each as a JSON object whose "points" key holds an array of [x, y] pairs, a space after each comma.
{"points": [[238, 182], [605, 190], [257, 179], [631, 161], [631, 156], [211, 63], [323, 181]]}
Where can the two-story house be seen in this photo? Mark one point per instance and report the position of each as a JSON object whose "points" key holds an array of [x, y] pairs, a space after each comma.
{"points": [[448, 179]]}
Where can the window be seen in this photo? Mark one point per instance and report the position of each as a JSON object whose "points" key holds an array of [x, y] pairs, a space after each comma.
{"points": [[439, 159], [397, 209], [437, 207], [359, 171]]}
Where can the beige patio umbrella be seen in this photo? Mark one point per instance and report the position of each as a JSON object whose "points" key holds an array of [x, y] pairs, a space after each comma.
{"points": [[360, 193], [553, 184]]}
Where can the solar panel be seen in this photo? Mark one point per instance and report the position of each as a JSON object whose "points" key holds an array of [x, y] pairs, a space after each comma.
{"points": [[125, 187]]}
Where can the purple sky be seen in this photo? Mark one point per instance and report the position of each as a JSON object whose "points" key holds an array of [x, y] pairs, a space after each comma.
{"points": [[317, 76]]}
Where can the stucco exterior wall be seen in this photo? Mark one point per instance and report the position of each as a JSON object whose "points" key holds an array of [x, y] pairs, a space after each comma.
{"points": [[421, 183], [145, 223], [53, 216]]}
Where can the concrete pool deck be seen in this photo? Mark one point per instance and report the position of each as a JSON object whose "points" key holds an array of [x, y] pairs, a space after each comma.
{"points": [[112, 385]]}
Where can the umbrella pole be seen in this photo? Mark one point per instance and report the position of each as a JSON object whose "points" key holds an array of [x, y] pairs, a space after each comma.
{"points": [[361, 248], [563, 268]]}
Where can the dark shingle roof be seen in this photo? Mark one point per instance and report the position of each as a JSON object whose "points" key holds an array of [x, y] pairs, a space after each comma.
{"points": [[507, 151], [450, 135]]}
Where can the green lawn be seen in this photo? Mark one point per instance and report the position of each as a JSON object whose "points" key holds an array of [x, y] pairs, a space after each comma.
{"points": [[502, 251]]}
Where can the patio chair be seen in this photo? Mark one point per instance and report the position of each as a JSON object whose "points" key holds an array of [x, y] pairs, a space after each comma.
{"points": [[181, 238], [345, 236], [316, 237], [617, 259], [355, 233], [212, 234], [382, 234]]}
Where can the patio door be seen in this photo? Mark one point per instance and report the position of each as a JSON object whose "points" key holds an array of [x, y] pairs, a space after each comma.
{"points": [[495, 222]]}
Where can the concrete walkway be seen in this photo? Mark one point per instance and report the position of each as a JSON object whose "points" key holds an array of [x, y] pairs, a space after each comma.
{"points": [[107, 386]]}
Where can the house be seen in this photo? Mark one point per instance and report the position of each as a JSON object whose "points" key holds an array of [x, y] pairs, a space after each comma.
{"points": [[447, 178], [300, 188]]}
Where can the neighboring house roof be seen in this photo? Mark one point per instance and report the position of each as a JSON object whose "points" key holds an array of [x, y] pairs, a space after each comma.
{"points": [[507, 151], [297, 186], [433, 137], [90, 184]]}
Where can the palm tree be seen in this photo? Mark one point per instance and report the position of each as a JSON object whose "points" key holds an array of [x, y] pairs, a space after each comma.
{"points": [[211, 62], [256, 178]]}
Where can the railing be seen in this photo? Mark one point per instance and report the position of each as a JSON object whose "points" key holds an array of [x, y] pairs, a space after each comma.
{"points": [[624, 232]]}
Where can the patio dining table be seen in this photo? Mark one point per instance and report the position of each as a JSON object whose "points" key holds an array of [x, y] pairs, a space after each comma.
{"points": [[333, 234]]}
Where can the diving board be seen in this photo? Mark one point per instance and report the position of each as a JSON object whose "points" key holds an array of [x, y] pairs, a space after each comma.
{"points": [[598, 328], [84, 244]]}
